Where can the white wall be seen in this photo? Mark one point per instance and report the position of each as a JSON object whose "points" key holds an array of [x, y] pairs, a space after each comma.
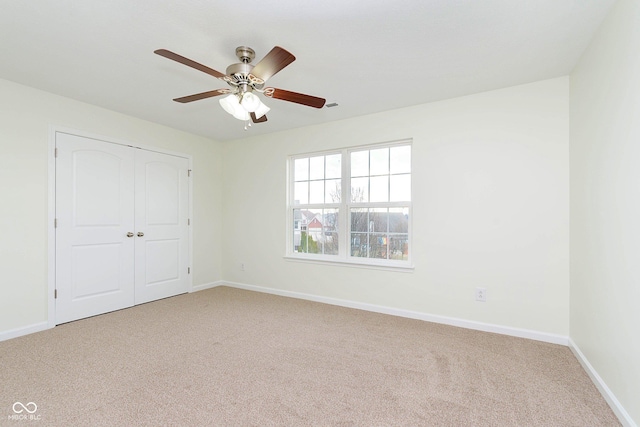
{"points": [[605, 204], [491, 209], [26, 115]]}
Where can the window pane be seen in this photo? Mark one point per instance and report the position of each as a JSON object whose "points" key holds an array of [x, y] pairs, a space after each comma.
{"points": [[380, 161], [314, 230], [378, 221], [399, 220], [306, 243], [333, 191], [331, 228], [333, 166], [360, 163], [379, 189], [331, 218], [401, 159], [359, 220], [316, 167], [360, 190], [378, 246], [301, 193], [400, 188], [359, 244], [331, 246], [312, 245], [399, 247], [297, 222], [316, 192], [301, 172]]}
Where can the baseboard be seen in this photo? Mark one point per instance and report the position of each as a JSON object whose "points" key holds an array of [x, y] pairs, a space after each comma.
{"points": [[608, 395], [18, 332], [468, 324], [204, 286]]}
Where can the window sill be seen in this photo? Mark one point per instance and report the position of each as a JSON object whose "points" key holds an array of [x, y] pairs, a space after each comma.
{"points": [[402, 268]]}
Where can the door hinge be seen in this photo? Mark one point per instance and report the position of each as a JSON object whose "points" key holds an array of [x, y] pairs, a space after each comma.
{"points": [[188, 172], [55, 294], [55, 222], [55, 152], [188, 270], [188, 221]]}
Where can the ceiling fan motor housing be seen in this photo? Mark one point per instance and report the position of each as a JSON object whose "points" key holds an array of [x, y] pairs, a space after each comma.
{"points": [[240, 69], [240, 74]]}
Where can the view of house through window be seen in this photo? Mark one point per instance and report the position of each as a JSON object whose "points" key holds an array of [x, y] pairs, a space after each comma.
{"points": [[353, 205], [317, 184]]}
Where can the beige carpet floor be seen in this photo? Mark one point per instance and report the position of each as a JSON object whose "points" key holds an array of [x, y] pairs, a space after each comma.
{"points": [[230, 357]]}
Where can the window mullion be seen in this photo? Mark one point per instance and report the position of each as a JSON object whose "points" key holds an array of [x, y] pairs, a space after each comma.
{"points": [[345, 227]]}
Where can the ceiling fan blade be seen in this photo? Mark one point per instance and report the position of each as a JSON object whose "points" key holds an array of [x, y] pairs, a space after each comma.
{"points": [[298, 98], [203, 95], [276, 60], [188, 62], [262, 119]]}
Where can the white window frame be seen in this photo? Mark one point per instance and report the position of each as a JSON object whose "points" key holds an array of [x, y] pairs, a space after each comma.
{"points": [[344, 208]]}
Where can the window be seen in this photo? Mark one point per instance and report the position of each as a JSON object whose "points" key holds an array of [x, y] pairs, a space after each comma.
{"points": [[317, 195], [352, 205]]}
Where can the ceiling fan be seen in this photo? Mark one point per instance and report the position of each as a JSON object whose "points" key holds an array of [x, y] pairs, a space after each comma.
{"points": [[244, 79]]}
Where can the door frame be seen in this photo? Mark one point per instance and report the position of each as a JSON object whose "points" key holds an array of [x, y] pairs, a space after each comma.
{"points": [[51, 202]]}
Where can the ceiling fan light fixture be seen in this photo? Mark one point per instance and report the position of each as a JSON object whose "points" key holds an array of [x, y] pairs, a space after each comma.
{"points": [[250, 102], [229, 103], [244, 78], [261, 110], [241, 114]]}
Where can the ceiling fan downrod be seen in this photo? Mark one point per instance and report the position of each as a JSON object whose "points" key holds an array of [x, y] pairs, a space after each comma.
{"points": [[245, 54]]}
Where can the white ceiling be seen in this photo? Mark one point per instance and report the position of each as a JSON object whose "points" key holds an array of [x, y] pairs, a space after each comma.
{"points": [[368, 56]]}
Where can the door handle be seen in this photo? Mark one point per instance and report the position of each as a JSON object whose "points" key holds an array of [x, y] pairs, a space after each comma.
{"points": [[129, 234], [140, 234]]}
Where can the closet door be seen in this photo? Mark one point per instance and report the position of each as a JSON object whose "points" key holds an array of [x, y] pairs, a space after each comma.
{"points": [[161, 225], [94, 214]]}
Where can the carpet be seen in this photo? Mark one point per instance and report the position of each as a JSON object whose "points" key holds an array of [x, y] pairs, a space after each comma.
{"points": [[228, 357]]}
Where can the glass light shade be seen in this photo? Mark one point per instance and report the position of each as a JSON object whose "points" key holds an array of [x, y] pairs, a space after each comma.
{"points": [[229, 103], [241, 113], [250, 102], [261, 110]]}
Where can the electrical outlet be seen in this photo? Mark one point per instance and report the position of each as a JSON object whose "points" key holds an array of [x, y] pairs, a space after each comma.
{"points": [[242, 266], [481, 294]]}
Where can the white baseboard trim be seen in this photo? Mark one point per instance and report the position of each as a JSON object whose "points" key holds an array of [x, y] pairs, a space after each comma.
{"points": [[452, 321], [204, 286], [608, 395], [18, 332]]}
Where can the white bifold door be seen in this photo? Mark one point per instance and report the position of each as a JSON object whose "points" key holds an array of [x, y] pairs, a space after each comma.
{"points": [[121, 226]]}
